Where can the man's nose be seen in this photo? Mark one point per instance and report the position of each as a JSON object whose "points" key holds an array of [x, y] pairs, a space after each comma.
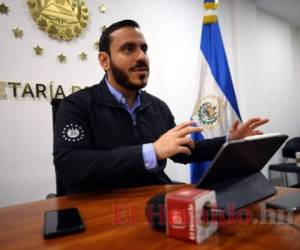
{"points": [[141, 55]]}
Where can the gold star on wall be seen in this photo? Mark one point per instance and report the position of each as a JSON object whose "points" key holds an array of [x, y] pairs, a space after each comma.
{"points": [[83, 56], [103, 8], [18, 33], [38, 50], [62, 58], [103, 28], [96, 45], [4, 9]]}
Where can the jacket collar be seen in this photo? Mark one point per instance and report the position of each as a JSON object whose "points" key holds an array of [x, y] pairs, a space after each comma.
{"points": [[102, 95]]}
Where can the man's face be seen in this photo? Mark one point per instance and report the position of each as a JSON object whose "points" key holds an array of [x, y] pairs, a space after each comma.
{"points": [[128, 60]]}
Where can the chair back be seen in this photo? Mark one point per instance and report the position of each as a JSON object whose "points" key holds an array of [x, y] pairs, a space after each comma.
{"points": [[60, 187], [291, 147]]}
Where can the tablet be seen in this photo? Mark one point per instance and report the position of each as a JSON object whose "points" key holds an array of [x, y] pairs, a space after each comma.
{"points": [[235, 174]]}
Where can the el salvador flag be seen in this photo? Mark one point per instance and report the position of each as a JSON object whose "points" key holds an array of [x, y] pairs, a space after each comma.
{"points": [[216, 105]]}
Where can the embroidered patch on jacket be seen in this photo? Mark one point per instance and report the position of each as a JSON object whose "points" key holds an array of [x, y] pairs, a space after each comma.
{"points": [[73, 133]]}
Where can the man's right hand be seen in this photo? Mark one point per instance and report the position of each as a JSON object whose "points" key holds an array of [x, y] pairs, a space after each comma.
{"points": [[175, 141]]}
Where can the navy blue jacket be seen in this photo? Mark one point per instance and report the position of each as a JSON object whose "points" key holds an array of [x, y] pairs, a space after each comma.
{"points": [[97, 145]]}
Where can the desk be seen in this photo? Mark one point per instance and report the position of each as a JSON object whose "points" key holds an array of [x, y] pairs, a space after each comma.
{"points": [[21, 226]]}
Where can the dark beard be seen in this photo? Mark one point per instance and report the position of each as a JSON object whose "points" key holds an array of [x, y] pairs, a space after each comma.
{"points": [[122, 78]]}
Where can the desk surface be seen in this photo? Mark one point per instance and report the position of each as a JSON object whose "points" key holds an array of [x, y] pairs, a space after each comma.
{"points": [[21, 226]]}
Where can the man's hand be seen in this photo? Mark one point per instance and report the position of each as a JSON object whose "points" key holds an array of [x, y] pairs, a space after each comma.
{"points": [[175, 141], [241, 130]]}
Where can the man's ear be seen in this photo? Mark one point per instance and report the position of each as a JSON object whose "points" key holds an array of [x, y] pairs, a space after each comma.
{"points": [[103, 58]]}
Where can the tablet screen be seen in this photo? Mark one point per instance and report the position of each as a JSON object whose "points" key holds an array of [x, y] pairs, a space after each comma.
{"points": [[241, 158]]}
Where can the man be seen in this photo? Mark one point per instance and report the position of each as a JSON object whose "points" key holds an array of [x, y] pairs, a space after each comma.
{"points": [[114, 135]]}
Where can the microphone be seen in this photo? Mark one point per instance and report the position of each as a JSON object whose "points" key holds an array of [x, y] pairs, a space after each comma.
{"points": [[155, 212], [190, 214]]}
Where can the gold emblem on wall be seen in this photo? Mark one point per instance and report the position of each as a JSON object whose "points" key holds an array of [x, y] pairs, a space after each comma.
{"points": [[61, 19]]}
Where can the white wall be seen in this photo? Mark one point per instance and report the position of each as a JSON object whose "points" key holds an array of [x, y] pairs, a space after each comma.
{"points": [[276, 72], [296, 64], [267, 70], [263, 53]]}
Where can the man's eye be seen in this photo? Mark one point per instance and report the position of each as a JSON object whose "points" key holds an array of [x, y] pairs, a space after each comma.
{"points": [[128, 49], [145, 49]]}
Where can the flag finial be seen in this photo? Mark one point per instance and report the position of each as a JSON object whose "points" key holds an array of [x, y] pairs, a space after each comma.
{"points": [[211, 14], [211, 4]]}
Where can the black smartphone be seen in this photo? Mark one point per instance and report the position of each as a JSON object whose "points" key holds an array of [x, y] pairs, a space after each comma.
{"points": [[61, 222], [289, 202]]}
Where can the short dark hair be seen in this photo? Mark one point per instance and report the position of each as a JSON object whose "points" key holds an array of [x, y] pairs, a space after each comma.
{"points": [[105, 39]]}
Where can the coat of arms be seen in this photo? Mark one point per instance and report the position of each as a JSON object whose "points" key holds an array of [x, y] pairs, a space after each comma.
{"points": [[61, 19], [209, 111]]}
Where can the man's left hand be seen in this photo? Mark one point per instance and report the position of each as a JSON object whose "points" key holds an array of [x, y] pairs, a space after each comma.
{"points": [[240, 130]]}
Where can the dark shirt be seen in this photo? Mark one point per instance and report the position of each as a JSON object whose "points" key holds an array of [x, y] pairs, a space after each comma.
{"points": [[97, 145]]}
